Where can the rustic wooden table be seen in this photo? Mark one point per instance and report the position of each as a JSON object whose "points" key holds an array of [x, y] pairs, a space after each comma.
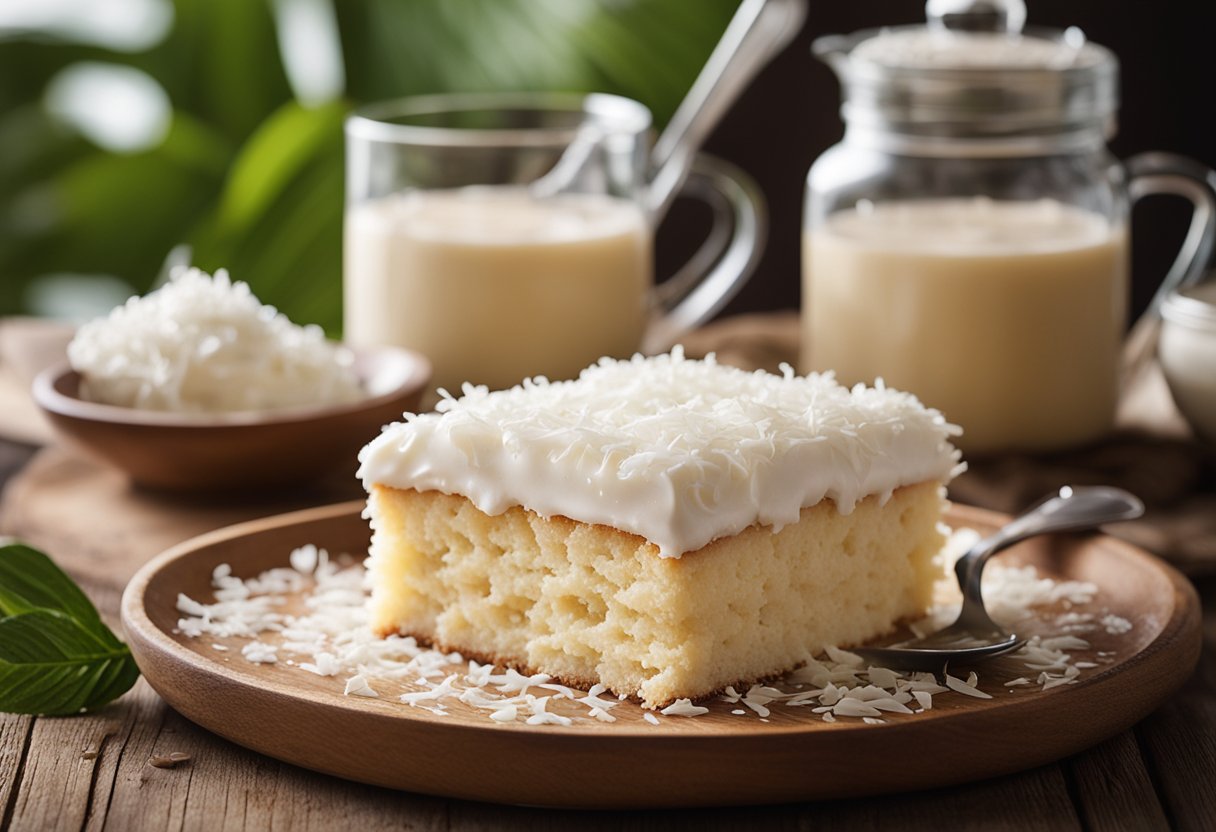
{"points": [[93, 772]]}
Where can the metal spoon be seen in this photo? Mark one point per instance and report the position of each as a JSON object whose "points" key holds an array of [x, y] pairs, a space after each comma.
{"points": [[754, 36], [757, 32], [974, 635]]}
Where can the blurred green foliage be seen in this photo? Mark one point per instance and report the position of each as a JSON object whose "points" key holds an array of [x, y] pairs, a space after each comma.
{"points": [[250, 178]]}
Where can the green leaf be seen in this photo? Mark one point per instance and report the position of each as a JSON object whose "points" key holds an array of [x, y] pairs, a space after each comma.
{"points": [[273, 157], [56, 654], [113, 214], [29, 581], [646, 49], [53, 665], [221, 63], [290, 249], [252, 179]]}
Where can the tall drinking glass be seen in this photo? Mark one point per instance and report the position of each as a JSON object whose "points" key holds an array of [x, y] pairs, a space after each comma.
{"points": [[509, 236]]}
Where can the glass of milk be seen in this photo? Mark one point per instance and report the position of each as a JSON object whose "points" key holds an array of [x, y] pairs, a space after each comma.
{"points": [[967, 239], [510, 236]]}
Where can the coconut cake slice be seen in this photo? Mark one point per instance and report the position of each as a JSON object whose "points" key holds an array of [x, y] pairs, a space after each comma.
{"points": [[663, 526]]}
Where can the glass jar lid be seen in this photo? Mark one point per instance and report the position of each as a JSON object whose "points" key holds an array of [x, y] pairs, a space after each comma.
{"points": [[974, 71]]}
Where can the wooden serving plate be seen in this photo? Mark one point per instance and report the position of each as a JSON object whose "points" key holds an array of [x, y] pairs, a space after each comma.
{"points": [[715, 759]]}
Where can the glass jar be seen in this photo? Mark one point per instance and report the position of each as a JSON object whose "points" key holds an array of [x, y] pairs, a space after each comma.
{"points": [[967, 240]]}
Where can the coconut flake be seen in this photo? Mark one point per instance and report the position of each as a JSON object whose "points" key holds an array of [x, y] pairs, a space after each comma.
{"points": [[357, 686], [202, 344], [843, 657], [966, 688], [259, 652], [684, 707]]}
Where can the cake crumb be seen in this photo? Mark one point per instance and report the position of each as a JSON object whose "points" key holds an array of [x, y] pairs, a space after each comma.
{"points": [[171, 760]]}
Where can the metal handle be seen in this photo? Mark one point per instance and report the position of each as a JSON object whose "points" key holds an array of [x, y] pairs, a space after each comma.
{"points": [[727, 258], [1073, 508], [1166, 173], [757, 32]]}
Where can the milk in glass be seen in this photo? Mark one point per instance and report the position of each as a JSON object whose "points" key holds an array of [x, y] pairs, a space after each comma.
{"points": [[1007, 316], [493, 284]]}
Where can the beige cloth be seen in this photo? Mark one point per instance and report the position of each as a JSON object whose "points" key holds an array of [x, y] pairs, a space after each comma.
{"points": [[1152, 454], [27, 346]]}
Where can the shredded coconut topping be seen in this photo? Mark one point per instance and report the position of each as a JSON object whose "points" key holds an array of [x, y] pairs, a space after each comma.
{"points": [[330, 637], [200, 344], [679, 451]]}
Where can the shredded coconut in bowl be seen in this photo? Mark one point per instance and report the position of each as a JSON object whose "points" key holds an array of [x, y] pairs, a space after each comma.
{"points": [[202, 344]]}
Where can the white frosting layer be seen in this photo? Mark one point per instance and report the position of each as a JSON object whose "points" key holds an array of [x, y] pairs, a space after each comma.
{"points": [[679, 451]]}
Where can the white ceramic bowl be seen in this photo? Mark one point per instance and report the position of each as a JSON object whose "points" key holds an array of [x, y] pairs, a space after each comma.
{"points": [[1187, 350]]}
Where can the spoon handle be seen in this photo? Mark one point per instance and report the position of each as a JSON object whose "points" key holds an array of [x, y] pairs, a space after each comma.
{"points": [[1073, 508], [757, 32]]}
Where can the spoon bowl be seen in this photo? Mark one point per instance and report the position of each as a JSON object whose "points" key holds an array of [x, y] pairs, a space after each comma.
{"points": [[974, 636]]}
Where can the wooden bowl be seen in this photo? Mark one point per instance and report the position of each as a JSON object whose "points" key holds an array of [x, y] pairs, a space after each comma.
{"points": [[236, 451]]}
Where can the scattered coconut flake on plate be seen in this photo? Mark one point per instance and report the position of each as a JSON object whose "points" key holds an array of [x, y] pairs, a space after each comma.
{"points": [[357, 686], [684, 707], [1116, 625], [542, 716], [313, 616], [305, 559], [507, 713], [967, 688], [843, 656], [259, 652]]}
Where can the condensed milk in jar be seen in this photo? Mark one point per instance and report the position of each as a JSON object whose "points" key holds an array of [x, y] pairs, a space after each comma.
{"points": [[967, 240]]}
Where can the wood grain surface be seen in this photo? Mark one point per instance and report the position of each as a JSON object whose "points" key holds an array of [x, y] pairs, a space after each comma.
{"points": [[714, 759], [1157, 775], [104, 527]]}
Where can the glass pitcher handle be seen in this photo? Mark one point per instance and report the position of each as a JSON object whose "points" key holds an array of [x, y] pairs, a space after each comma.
{"points": [[725, 261], [1165, 173]]}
